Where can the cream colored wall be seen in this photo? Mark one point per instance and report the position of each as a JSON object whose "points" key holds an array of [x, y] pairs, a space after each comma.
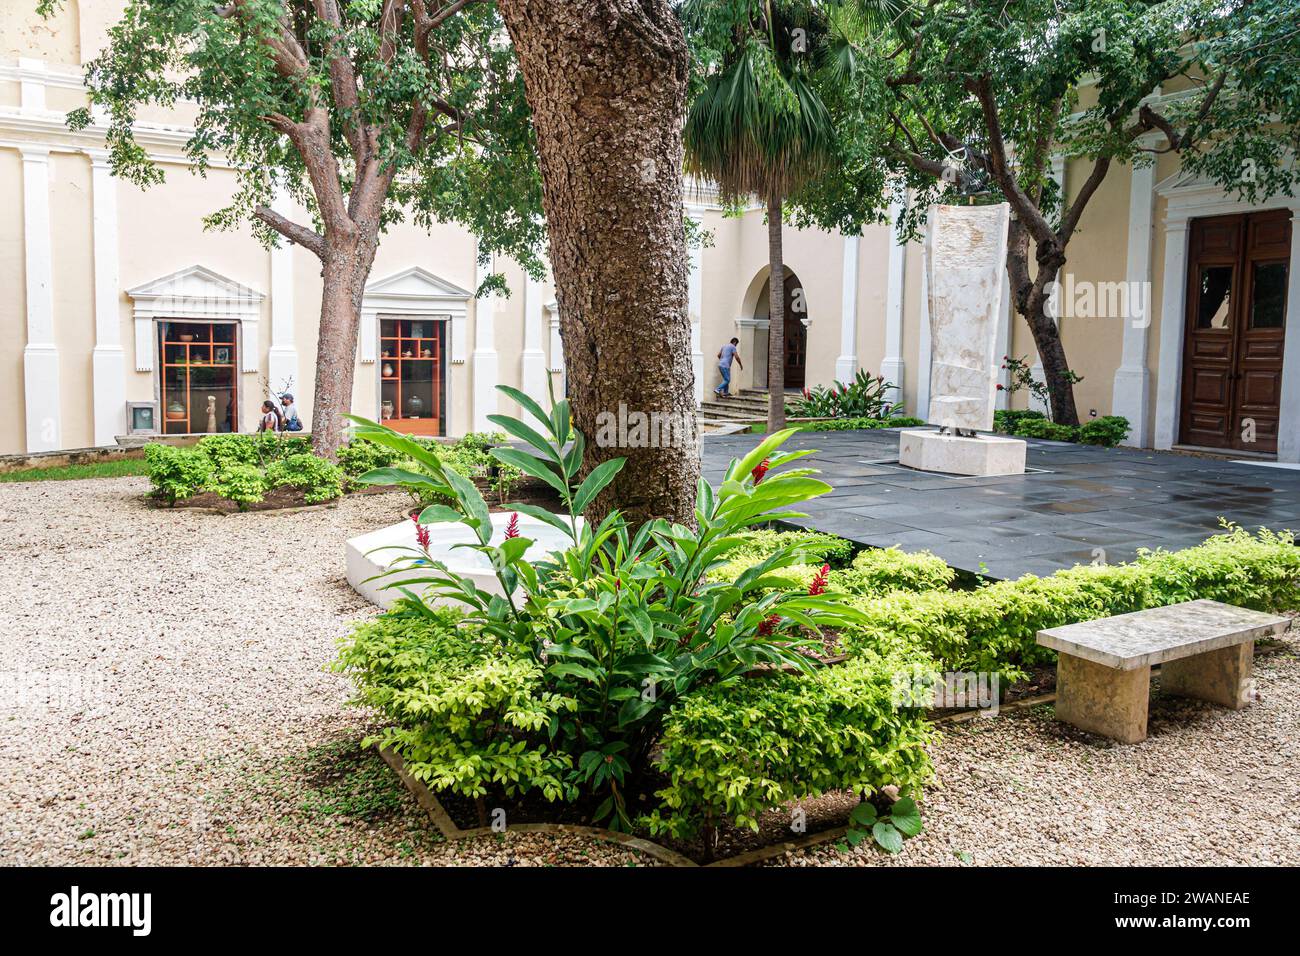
{"points": [[74, 294], [161, 232], [13, 303], [873, 290], [25, 33]]}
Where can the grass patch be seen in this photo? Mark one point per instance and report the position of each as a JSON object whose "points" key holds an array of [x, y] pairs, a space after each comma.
{"points": [[115, 468]]}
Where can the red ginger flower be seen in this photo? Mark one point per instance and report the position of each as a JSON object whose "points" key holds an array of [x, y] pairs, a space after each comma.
{"points": [[818, 585], [421, 533], [767, 627], [761, 469], [512, 529]]}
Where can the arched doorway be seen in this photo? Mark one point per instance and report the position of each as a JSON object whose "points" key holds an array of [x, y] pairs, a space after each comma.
{"points": [[796, 327]]}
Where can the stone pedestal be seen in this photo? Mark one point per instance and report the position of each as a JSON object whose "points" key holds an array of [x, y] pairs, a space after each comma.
{"points": [[983, 455], [1220, 676], [1103, 700]]}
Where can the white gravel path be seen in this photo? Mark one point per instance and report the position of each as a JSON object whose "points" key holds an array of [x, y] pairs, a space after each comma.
{"points": [[164, 700]]}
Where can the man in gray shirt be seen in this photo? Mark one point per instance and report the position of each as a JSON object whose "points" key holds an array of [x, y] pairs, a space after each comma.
{"points": [[725, 356]]}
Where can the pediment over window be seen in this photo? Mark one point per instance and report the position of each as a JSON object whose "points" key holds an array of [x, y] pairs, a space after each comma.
{"points": [[417, 283], [199, 294]]}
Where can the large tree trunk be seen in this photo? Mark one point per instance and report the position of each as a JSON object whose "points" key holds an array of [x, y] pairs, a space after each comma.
{"points": [[346, 268], [775, 318], [606, 81], [1030, 295]]}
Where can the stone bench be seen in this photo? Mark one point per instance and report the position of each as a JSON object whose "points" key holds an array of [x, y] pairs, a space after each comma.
{"points": [[1103, 675]]}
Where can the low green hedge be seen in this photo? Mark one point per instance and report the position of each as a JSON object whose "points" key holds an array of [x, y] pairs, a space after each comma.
{"points": [[880, 571], [1107, 431], [456, 704], [856, 424], [994, 628], [733, 750], [242, 468]]}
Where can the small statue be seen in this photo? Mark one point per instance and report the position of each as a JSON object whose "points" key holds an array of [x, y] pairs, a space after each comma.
{"points": [[212, 414]]}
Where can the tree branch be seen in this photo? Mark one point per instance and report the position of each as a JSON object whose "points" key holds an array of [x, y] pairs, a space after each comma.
{"points": [[301, 235]]}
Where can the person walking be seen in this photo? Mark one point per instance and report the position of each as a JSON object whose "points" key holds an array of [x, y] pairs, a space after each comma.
{"points": [[726, 355], [292, 423], [271, 420]]}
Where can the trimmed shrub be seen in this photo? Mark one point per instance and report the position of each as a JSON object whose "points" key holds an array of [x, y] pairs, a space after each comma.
{"points": [[358, 457], [1006, 419], [878, 571], [994, 628], [857, 424], [226, 450], [1108, 431], [176, 472], [318, 479], [461, 709], [734, 750], [818, 548], [242, 484], [1049, 431]]}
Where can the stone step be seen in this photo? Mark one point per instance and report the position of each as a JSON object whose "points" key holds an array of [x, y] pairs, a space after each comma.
{"points": [[731, 412]]}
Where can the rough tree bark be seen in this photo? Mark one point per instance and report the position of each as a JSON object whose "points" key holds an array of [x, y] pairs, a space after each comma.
{"points": [[606, 81], [775, 318]]}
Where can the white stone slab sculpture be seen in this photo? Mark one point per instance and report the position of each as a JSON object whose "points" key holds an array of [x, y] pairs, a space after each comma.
{"points": [[374, 552], [965, 256]]}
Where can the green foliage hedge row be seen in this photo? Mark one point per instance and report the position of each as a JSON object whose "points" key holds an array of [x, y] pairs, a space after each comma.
{"points": [[242, 468], [733, 750], [857, 424], [994, 628], [1107, 431]]}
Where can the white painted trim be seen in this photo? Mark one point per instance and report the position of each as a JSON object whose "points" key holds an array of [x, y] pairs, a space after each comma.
{"points": [[532, 361], [1131, 395], [557, 350], [41, 395], [893, 366], [1172, 315], [695, 309], [202, 295], [1288, 426], [846, 366], [485, 363], [32, 78], [410, 292], [108, 359], [282, 359]]}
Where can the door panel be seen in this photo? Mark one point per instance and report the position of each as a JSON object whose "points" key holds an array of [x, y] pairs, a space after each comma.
{"points": [[1236, 317]]}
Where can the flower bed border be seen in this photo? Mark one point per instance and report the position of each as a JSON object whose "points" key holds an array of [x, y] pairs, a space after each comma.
{"points": [[427, 799]]}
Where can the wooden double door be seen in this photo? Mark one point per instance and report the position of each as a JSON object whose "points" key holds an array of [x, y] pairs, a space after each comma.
{"points": [[1236, 325]]}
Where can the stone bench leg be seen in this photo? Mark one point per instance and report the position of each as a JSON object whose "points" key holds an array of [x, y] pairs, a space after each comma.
{"points": [[1220, 676], [1103, 700]]}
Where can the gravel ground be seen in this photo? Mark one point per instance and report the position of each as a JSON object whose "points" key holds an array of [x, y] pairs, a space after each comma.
{"points": [[164, 700]]}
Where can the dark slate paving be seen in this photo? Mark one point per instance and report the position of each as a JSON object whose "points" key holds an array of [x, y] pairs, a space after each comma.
{"points": [[1080, 504]]}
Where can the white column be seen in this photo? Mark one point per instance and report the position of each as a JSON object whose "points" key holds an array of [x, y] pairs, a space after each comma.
{"points": [[1132, 389], [557, 351], [846, 366], [1288, 426], [1002, 342], [695, 308], [533, 372], [108, 360], [485, 363], [1172, 318], [32, 87], [923, 342], [40, 355], [282, 360], [892, 366]]}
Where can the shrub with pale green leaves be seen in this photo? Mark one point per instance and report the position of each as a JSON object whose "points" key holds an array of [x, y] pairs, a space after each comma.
{"points": [[242, 484], [730, 752], [994, 628], [176, 473], [318, 480], [878, 571]]}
